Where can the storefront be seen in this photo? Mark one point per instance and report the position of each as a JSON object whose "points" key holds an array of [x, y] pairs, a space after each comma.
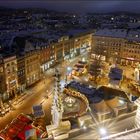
{"points": [[77, 51], [21, 88], [5, 96], [59, 56], [67, 56], [84, 47], [129, 61], [101, 57], [31, 79], [47, 65]]}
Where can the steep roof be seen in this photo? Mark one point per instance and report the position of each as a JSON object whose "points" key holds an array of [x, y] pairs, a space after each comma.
{"points": [[133, 35]]}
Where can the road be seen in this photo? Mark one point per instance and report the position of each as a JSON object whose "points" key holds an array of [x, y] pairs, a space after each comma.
{"points": [[25, 106], [112, 128], [35, 95]]}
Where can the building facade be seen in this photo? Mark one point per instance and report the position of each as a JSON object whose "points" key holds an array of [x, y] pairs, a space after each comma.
{"points": [[116, 47], [32, 67], [21, 73], [33, 57], [108, 48], [11, 78], [2, 80], [130, 53], [67, 48], [82, 42], [46, 57]]}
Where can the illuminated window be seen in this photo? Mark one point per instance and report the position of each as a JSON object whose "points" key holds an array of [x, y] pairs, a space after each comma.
{"points": [[8, 65], [8, 71], [1, 69]]}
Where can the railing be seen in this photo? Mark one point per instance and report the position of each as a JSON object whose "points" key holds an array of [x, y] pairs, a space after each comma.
{"points": [[124, 133], [80, 96]]}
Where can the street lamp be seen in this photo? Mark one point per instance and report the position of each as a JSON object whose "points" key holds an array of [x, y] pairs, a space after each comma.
{"points": [[84, 127], [83, 59], [121, 102], [102, 131], [69, 69]]}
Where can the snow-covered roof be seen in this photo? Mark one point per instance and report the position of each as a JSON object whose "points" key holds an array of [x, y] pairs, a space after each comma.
{"points": [[133, 35], [47, 36], [6, 38], [36, 42], [133, 25], [76, 31], [118, 33]]}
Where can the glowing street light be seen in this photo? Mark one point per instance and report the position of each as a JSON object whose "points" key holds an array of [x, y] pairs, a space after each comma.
{"points": [[69, 69], [102, 131], [84, 127], [83, 60], [121, 102]]}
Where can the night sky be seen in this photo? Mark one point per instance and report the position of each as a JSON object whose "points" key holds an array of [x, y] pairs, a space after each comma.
{"points": [[81, 6]]}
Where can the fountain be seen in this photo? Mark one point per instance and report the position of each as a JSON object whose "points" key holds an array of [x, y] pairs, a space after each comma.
{"points": [[70, 101]]}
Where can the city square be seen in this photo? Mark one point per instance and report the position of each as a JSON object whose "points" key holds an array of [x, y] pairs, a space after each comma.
{"points": [[69, 76]]}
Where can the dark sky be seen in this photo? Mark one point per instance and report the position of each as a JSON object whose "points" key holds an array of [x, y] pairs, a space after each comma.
{"points": [[76, 5]]}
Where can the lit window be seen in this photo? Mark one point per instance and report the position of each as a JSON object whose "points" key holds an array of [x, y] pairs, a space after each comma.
{"points": [[8, 65]]}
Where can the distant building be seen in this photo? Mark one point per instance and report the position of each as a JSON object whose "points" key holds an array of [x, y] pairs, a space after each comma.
{"points": [[46, 57], [28, 61], [11, 78], [117, 46], [32, 67], [2, 79], [32, 55], [21, 72]]}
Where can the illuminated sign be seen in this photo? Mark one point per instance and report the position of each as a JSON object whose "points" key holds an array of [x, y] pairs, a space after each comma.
{"points": [[1, 69]]}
